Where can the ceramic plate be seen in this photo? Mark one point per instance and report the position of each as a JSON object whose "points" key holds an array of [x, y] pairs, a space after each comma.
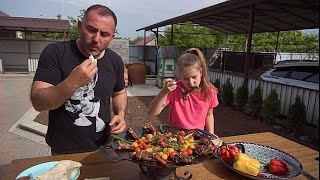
{"points": [[264, 154], [42, 168]]}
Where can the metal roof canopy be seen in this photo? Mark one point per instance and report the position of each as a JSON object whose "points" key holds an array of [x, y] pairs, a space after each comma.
{"points": [[233, 17], [33, 24]]}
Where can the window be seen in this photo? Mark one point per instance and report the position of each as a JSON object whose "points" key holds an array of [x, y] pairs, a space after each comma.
{"points": [[282, 71]]}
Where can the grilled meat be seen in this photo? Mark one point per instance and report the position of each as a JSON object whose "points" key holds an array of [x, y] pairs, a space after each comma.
{"points": [[182, 159], [123, 145], [204, 141], [204, 150], [143, 155], [133, 133], [148, 128]]}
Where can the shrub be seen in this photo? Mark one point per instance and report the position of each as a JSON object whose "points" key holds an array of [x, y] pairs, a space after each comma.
{"points": [[217, 85], [297, 115], [254, 106], [227, 93], [271, 106], [242, 97], [148, 69]]}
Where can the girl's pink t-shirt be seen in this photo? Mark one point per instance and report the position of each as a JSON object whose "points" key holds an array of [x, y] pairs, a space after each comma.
{"points": [[190, 113]]}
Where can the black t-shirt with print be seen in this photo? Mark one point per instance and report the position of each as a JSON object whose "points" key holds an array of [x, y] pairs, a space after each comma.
{"points": [[81, 124]]}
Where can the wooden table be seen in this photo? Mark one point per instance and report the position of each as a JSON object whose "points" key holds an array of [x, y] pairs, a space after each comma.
{"points": [[95, 164]]}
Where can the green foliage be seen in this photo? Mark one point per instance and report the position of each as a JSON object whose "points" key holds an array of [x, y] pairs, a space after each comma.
{"points": [[148, 69], [227, 93], [242, 97], [198, 36], [254, 105], [192, 36], [217, 85], [135, 40], [297, 114], [271, 106]]}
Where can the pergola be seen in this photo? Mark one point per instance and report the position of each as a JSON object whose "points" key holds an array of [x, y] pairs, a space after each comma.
{"points": [[248, 17]]}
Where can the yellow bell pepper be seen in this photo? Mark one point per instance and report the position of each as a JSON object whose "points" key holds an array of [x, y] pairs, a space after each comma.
{"points": [[246, 164]]}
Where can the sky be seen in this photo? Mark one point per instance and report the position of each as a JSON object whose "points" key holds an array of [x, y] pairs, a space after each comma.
{"points": [[131, 14]]}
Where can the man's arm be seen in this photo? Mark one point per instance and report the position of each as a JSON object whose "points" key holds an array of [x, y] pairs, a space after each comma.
{"points": [[119, 102], [45, 96], [119, 106]]}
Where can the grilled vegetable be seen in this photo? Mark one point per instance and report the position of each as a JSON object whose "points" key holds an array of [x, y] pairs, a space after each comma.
{"points": [[278, 167], [246, 164], [229, 152]]}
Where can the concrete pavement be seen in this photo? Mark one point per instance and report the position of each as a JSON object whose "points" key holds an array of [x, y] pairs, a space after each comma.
{"points": [[20, 136]]}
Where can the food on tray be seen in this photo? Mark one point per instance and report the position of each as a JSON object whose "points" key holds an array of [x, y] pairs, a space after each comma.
{"points": [[64, 170], [246, 164], [92, 58], [278, 167], [229, 152], [163, 147]]}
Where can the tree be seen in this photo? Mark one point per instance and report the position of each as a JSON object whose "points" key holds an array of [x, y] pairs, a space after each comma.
{"points": [[135, 40], [198, 36]]}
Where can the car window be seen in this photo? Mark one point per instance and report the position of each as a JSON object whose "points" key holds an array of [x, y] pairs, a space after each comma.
{"points": [[314, 78], [281, 71], [302, 73]]}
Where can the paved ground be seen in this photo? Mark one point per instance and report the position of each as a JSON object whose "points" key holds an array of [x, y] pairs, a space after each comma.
{"points": [[14, 95], [16, 111]]}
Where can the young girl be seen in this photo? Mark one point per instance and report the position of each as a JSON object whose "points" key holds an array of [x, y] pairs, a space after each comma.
{"points": [[191, 99]]}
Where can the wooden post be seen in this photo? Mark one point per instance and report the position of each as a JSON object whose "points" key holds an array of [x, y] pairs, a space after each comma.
{"points": [[249, 41]]}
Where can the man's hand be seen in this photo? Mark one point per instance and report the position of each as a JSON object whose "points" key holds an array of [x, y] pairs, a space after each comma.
{"points": [[82, 74], [117, 124]]}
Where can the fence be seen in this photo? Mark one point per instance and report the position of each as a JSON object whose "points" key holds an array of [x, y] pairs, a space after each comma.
{"points": [[287, 94]]}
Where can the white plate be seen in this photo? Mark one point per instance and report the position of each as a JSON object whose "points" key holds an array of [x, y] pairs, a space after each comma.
{"points": [[42, 168]]}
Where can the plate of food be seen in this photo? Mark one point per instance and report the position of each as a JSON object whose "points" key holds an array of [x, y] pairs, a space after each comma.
{"points": [[59, 170], [161, 146], [256, 161]]}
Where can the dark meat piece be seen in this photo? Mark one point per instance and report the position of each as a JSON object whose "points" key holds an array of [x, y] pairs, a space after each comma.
{"points": [[133, 133], [143, 155], [182, 159], [204, 150], [123, 145], [204, 141], [148, 128]]}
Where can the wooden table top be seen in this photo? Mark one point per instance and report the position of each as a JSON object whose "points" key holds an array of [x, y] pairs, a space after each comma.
{"points": [[95, 164]]}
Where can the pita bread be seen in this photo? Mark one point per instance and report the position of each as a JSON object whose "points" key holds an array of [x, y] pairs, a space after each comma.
{"points": [[64, 170], [92, 59]]}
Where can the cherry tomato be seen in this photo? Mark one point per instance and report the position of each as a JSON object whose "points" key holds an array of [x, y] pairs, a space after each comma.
{"points": [[164, 157], [140, 145], [181, 140], [189, 151], [169, 133], [135, 144], [160, 140], [182, 150], [137, 149], [181, 133], [184, 153], [158, 133], [172, 154]]}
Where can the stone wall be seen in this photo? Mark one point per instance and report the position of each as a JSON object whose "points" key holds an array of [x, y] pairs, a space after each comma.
{"points": [[121, 46]]}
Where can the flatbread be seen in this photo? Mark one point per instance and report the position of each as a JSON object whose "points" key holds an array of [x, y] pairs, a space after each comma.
{"points": [[92, 59], [64, 170]]}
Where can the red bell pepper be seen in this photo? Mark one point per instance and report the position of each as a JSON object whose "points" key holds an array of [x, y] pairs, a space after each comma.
{"points": [[278, 167], [229, 152]]}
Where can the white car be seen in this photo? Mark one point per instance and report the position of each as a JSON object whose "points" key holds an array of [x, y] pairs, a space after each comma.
{"points": [[303, 74]]}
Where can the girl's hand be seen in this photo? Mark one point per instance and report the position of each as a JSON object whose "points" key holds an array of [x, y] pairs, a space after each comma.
{"points": [[170, 85]]}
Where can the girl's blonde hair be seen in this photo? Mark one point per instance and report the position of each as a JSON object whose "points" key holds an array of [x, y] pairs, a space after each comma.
{"points": [[194, 57]]}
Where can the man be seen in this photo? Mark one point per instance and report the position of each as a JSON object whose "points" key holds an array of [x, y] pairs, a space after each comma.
{"points": [[77, 90]]}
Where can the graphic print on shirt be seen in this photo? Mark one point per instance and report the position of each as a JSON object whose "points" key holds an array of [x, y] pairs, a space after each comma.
{"points": [[87, 108]]}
